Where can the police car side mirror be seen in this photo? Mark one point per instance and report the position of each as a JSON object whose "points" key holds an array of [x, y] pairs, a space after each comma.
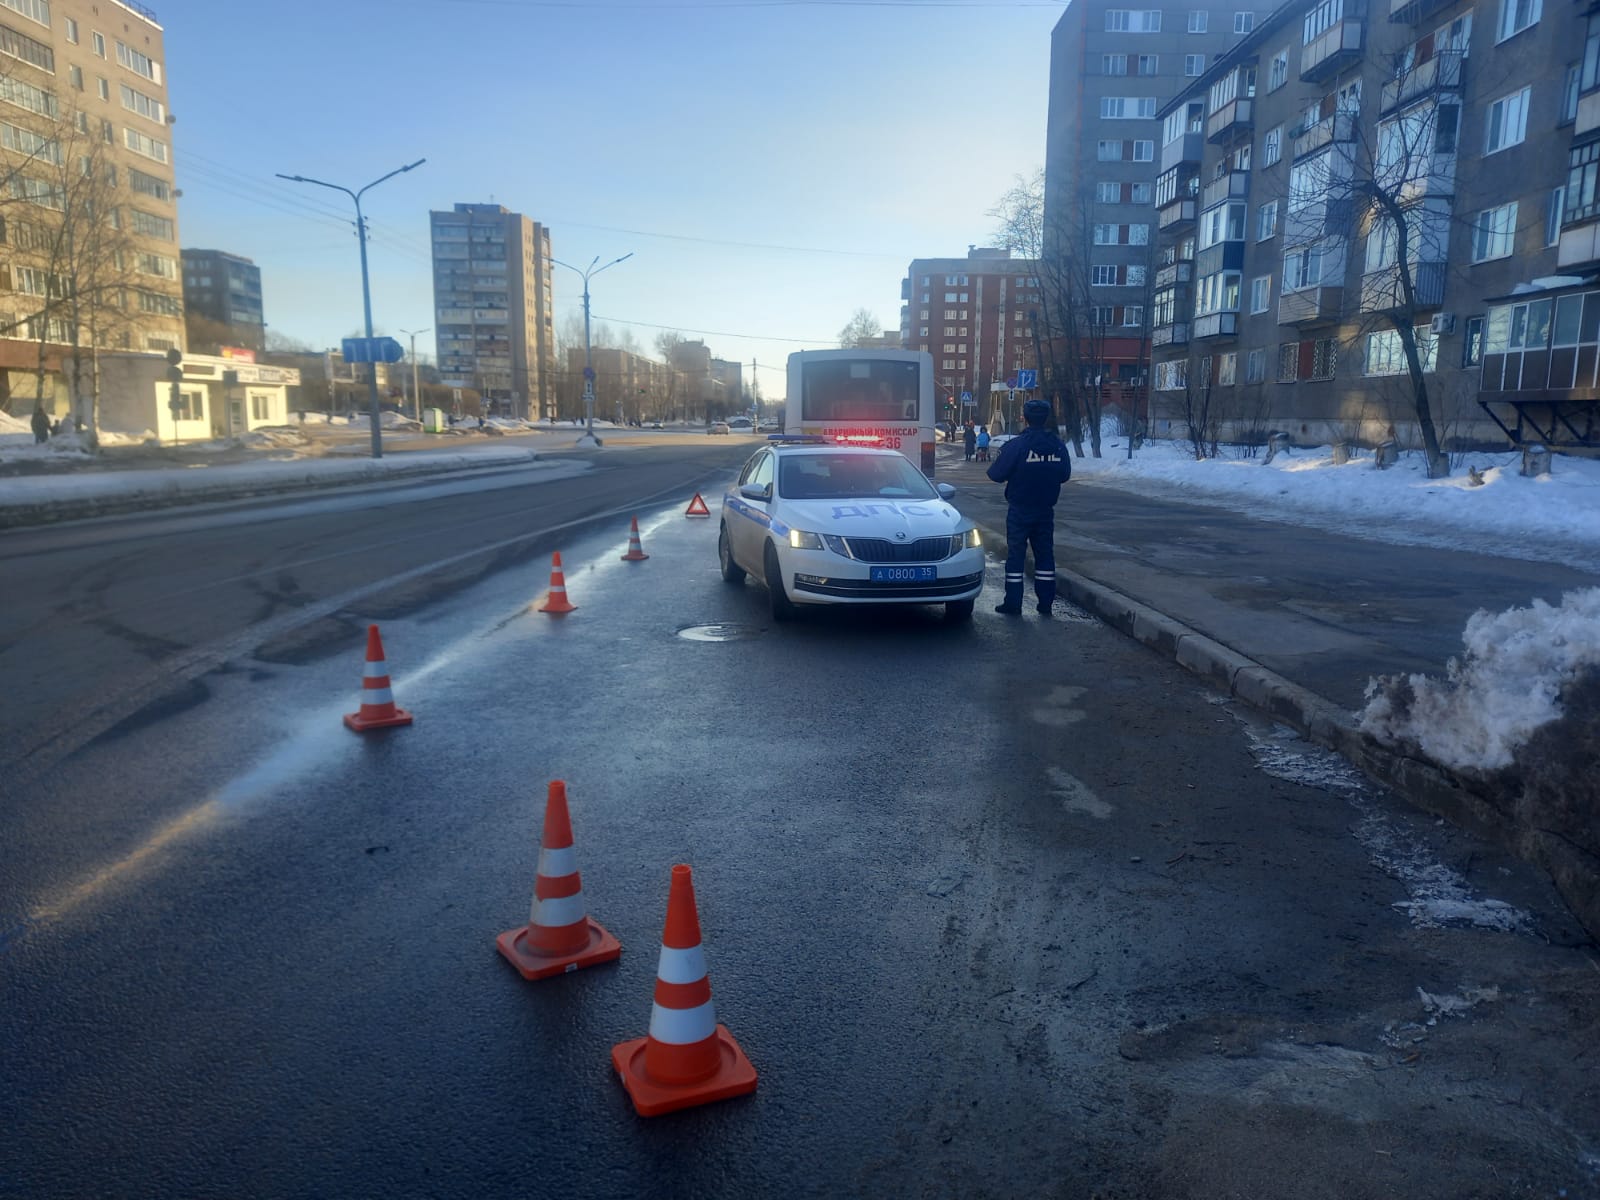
{"points": [[946, 490], [756, 491]]}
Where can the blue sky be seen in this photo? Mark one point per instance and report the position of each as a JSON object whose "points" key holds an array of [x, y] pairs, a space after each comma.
{"points": [[696, 135]]}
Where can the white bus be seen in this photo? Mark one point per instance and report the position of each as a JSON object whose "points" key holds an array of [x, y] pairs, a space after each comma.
{"points": [[865, 398]]}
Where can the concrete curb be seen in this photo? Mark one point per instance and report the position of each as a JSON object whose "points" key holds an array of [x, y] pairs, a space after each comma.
{"points": [[1427, 785], [195, 489]]}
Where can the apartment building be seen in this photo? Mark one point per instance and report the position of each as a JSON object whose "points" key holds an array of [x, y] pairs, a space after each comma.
{"points": [[225, 290], [1354, 176], [84, 130], [976, 317], [493, 323], [1111, 70]]}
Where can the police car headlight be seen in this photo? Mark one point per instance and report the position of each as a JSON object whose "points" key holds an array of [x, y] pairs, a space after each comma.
{"points": [[800, 540], [971, 539]]}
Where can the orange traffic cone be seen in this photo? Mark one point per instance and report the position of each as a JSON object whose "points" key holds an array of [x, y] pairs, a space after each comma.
{"points": [[697, 507], [557, 602], [560, 936], [378, 709], [635, 548], [687, 1059]]}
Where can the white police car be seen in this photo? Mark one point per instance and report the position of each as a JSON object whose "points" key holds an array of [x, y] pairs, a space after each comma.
{"points": [[820, 523]]}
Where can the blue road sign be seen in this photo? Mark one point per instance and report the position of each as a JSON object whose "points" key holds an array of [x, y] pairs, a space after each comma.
{"points": [[966, 397], [1027, 380], [378, 349], [588, 373]]}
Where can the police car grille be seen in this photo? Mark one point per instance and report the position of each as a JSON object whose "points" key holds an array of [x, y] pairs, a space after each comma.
{"points": [[881, 550]]}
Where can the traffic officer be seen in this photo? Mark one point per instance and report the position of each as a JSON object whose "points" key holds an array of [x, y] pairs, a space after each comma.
{"points": [[1033, 466]]}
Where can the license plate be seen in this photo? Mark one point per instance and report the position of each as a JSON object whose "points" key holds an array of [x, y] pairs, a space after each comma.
{"points": [[904, 574]]}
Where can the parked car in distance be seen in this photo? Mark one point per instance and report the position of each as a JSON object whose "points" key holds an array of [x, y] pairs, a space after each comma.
{"points": [[740, 423], [718, 427]]}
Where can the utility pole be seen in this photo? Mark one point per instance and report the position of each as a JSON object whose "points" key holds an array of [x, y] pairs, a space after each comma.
{"points": [[755, 396], [588, 354], [416, 386]]}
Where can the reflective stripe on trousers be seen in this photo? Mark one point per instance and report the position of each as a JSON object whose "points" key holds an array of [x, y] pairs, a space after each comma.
{"points": [[1022, 531]]}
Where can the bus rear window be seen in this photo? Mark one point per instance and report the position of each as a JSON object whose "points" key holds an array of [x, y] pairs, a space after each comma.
{"points": [[859, 390]]}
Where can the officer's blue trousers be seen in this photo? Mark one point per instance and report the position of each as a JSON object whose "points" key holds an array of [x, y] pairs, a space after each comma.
{"points": [[1025, 528]]}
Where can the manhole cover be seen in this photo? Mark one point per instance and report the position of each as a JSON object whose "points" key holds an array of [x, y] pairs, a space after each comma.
{"points": [[717, 633]]}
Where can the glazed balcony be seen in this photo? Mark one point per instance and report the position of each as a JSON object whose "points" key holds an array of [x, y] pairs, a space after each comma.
{"points": [[1340, 127], [1176, 334], [1331, 51], [1176, 214], [1442, 73], [1412, 12], [1234, 117], [1183, 151], [1174, 273], [1215, 325], [1235, 185], [1381, 291], [1310, 306]]}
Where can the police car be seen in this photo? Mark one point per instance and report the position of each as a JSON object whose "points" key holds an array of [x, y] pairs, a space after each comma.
{"points": [[821, 523]]}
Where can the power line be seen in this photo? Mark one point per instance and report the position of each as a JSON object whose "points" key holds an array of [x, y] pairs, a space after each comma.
{"points": [[751, 337]]}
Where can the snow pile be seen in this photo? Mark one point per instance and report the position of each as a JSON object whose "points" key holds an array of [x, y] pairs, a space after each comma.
{"points": [[1507, 684], [394, 420], [11, 424]]}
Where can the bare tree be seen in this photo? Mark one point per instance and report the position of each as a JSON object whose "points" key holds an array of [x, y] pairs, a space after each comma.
{"points": [[861, 328]]}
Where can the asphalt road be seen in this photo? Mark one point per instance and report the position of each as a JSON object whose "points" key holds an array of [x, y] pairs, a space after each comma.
{"points": [[1008, 909]]}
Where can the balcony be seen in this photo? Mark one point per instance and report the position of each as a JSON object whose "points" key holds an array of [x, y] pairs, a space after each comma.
{"points": [[1588, 114], [1236, 116], [1411, 12], [1170, 335], [1441, 73], [1580, 245], [1340, 127], [1213, 325], [1183, 151], [1175, 214], [1381, 291], [1310, 306], [1235, 185], [1174, 273], [1332, 50]]}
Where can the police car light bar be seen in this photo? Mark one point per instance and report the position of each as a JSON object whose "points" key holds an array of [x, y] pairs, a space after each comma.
{"points": [[797, 439]]}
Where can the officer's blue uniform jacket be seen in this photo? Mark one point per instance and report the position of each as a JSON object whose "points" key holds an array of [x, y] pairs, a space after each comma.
{"points": [[1033, 466]]}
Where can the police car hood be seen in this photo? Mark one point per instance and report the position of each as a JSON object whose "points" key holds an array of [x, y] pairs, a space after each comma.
{"points": [[881, 518]]}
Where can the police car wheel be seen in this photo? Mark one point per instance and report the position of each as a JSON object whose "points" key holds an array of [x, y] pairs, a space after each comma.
{"points": [[731, 571], [958, 610], [783, 608]]}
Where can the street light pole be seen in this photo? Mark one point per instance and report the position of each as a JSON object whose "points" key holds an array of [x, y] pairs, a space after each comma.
{"points": [[416, 386], [588, 354], [366, 288]]}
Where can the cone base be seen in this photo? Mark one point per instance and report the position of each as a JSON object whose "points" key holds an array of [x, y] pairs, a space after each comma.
{"points": [[557, 607], [735, 1077], [531, 964], [630, 556], [361, 724]]}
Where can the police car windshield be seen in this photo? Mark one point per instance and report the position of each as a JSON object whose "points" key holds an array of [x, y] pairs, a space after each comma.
{"points": [[851, 477]]}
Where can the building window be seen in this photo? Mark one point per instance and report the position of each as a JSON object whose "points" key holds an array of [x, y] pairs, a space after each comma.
{"points": [[1552, 216], [1255, 367], [1515, 16], [1472, 342], [922, 331], [1110, 151], [1260, 293], [922, 314], [1228, 369], [1267, 221], [1108, 193], [99, 43], [191, 404], [1172, 376], [1144, 151], [1302, 268], [1101, 314], [1272, 147], [1494, 232], [949, 314], [1508, 121], [34, 10], [1101, 275], [1288, 361], [1133, 277], [104, 85], [139, 64], [1194, 64], [1244, 22], [1569, 95], [1147, 66], [1278, 71], [1386, 356], [1114, 108], [1113, 64], [1324, 358], [146, 106], [1142, 193], [1197, 21], [72, 31], [1132, 316], [148, 146]]}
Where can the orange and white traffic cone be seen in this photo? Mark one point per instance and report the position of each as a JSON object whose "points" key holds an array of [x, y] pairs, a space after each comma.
{"points": [[556, 601], [560, 936], [687, 1059], [635, 548], [378, 709]]}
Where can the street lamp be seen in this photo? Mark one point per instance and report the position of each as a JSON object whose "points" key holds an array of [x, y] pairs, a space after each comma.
{"points": [[588, 363], [366, 289], [416, 387]]}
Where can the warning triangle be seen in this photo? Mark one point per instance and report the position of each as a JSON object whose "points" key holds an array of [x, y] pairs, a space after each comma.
{"points": [[697, 507]]}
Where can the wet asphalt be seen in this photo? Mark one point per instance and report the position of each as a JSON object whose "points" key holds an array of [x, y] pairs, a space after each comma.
{"points": [[1011, 908]]}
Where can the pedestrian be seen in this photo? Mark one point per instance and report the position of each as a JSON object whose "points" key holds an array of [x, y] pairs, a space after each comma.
{"points": [[983, 443], [41, 425], [1033, 466], [969, 439]]}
